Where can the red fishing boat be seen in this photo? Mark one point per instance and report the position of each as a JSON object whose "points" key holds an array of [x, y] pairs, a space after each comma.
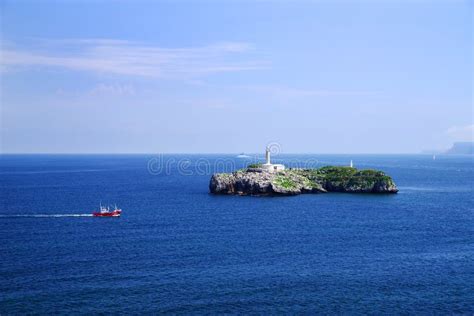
{"points": [[106, 212]]}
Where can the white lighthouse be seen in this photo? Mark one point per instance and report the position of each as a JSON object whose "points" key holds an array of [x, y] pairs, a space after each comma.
{"points": [[267, 156], [268, 166]]}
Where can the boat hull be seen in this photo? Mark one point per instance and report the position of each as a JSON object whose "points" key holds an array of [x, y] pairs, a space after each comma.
{"points": [[107, 214]]}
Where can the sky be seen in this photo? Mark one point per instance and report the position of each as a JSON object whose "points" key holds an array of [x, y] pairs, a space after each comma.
{"points": [[233, 76]]}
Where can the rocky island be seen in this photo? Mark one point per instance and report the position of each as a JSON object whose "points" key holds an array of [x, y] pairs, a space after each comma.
{"points": [[270, 179], [296, 181]]}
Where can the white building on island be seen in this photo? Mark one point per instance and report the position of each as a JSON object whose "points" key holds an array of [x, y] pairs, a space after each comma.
{"points": [[268, 166]]}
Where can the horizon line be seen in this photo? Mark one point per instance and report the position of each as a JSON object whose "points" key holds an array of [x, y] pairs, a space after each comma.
{"points": [[217, 153]]}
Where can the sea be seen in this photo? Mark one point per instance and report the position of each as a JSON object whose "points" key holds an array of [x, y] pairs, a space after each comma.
{"points": [[177, 249]]}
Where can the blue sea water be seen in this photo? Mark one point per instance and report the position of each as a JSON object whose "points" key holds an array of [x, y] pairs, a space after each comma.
{"points": [[179, 250]]}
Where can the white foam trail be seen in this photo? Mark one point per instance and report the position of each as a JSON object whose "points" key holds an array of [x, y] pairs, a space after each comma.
{"points": [[47, 215]]}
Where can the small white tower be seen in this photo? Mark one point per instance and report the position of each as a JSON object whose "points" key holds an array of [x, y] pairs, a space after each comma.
{"points": [[268, 166], [352, 166]]}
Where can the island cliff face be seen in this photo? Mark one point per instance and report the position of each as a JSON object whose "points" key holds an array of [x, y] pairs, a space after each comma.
{"points": [[296, 181]]}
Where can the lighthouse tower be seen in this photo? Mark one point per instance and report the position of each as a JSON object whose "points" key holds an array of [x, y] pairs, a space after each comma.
{"points": [[267, 156], [268, 166]]}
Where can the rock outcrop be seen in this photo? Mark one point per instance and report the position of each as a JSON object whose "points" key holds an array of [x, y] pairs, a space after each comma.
{"points": [[297, 181]]}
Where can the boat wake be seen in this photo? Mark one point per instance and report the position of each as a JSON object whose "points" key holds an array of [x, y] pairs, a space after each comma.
{"points": [[45, 215]]}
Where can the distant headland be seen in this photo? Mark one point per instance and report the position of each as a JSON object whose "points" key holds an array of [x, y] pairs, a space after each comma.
{"points": [[458, 148], [461, 148], [275, 179]]}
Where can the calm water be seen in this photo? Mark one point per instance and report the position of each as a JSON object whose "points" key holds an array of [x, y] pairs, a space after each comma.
{"points": [[177, 249]]}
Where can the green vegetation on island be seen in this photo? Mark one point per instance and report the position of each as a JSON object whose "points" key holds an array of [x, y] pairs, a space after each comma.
{"points": [[254, 165]]}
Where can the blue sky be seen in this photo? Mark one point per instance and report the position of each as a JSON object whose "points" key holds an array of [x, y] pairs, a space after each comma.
{"points": [[209, 76]]}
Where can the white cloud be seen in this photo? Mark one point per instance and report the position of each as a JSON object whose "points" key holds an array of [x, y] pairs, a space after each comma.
{"points": [[290, 92], [461, 133], [133, 58], [113, 89]]}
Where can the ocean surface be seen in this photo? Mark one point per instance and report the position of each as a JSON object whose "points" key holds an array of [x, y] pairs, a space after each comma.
{"points": [[179, 250]]}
